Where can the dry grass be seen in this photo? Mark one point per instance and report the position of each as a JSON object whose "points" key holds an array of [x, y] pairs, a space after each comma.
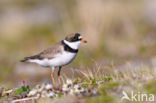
{"points": [[129, 77]]}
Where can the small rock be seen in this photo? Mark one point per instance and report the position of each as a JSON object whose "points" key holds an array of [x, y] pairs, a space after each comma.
{"points": [[48, 87], [50, 94], [32, 93]]}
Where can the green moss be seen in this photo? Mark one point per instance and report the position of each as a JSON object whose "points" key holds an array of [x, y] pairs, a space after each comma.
{"points": [[107, 78], [150, 87], [77, 80], [93, 82], [22, 89], [59, 95], [102, 90], [112, 85]]}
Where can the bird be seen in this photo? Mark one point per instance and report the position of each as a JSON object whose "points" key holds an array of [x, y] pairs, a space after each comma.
{"points": [[58, 55]]}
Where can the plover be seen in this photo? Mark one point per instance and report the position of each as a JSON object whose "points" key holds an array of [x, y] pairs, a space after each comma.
{"points": [[58, 55]]}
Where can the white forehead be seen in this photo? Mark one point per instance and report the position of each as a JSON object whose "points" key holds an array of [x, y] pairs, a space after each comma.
{"points": [[80, 37]]}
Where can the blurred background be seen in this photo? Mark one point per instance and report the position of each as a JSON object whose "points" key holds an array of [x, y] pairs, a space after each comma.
{"points": [[116, 30]]}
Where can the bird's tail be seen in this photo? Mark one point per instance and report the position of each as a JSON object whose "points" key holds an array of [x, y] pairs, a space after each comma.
{"points": [[26, 59]]}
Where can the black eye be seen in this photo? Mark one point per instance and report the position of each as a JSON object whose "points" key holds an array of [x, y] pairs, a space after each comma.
{"points": [[75, 38]]}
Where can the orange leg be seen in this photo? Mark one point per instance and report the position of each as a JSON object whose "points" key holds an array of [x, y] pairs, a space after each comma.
{"points": [[60, 83], [53, 80], [59, 78]]}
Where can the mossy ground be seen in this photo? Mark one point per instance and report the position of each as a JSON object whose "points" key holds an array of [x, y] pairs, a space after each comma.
{"points": [[109, 86]]}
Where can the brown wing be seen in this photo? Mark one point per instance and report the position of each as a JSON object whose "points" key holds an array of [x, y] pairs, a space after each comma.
{"points": [[51, 51], [48, 53]]}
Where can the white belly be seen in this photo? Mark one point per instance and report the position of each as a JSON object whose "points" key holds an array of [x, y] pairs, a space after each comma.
{"points": [[59, 60], [63, 59]]}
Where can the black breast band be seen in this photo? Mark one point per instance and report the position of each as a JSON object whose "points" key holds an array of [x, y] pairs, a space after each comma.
{"points": [[68, 48]]}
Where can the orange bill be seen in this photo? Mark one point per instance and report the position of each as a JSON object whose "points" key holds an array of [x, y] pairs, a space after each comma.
{"points": [[83, 41]]}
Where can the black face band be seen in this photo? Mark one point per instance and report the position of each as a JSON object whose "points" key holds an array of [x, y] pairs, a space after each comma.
{"points": [[68, 48]]}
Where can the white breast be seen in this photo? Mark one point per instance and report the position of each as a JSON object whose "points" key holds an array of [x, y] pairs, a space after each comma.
{"points": [[59, 60], [62, 59]]}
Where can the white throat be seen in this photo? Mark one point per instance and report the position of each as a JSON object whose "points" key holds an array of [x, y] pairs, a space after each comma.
{"points": [[73, 45]]}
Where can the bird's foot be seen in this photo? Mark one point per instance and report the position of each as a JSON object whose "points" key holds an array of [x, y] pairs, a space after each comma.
{"points": [[60, 88]]}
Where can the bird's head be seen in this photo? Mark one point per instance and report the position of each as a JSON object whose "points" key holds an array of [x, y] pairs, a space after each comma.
{"points": [[74, 40]]}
